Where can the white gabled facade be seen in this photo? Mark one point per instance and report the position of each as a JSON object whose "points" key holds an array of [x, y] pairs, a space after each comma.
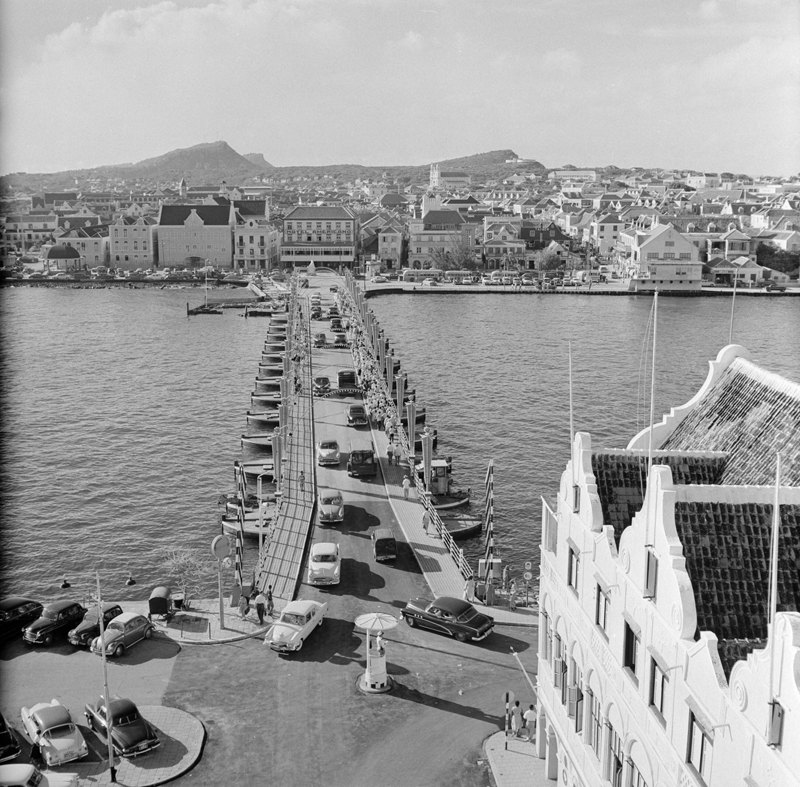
{"points": [[634, 689]]}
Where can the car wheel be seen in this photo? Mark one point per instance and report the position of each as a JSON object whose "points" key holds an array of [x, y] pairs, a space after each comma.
{"points": [[411, 622], [148, 633], [300, 645], [119, 650], [460, 636], [48, 641]]}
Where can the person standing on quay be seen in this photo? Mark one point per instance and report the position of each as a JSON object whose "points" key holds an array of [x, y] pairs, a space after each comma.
{"points": [[261, 603], [426, 520], [516, 718], [530, 722], [244, 605], [398, 453], [406, 486], [302, 479], [270, 602]]}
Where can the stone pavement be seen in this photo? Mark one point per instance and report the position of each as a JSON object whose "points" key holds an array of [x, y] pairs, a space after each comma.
{"points": [[514, 762]]}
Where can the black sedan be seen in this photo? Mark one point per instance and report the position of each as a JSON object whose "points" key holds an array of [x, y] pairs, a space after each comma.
{"points": [[340, 342], [15, 614], [131, 734], [56, 619], [89, 628], [451, 616], [9, 746]]}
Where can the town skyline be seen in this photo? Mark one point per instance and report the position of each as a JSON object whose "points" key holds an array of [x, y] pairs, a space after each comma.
{"points": [[709, 86]]}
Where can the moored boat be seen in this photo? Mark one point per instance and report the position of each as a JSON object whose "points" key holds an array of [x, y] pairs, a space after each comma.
{"points": [[444, 494], [460, 524]]}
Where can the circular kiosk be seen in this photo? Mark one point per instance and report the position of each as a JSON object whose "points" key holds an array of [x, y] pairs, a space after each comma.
{"points": [[375, 680]]}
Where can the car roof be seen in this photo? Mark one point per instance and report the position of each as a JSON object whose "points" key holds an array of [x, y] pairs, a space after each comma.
{"points": [[324, 548], [58, 606], [383, 532], [16, 773], [52, 716], [300, 606], [126, 616], [8, 604], [455, 606], [328, 490], [122, 707]]}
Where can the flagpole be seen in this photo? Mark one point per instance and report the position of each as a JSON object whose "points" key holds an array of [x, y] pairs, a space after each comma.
{"points": [[652, 384], [733, 302]]}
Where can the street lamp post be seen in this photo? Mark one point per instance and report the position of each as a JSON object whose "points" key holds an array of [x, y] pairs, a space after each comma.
{"points": [[260, 514], [107, 697]]}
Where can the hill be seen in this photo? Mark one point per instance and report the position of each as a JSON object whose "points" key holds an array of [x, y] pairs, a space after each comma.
{"points": [[259, 160]]}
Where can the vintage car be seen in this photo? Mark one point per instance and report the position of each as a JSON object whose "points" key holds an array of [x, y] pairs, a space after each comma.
{"points": [[15, 614], [447, 615], [332, 312], [356, 415], [337, 326], [9, 745], [775, 288], [429, 283], [328, 452], [320, 340], [330, 506], [340, 342], [379, 280], [56, 619], [316, 312], [325, 564], [123, 632], [131, 734], [322, 385], [297, 621], [49, 725], [24, 774], [89, 628]]}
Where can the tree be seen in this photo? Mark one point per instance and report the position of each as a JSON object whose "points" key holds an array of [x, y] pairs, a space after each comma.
{"points": [[457, 255], [190, 569], [549, 260], [777, 259]]}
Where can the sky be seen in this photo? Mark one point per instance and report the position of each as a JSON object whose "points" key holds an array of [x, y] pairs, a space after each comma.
{"points": [[710, 85]]}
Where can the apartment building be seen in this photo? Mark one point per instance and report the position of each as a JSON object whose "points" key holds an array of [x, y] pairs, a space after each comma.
{"points": [[257, 244], [440, 233], [326, 235], [196, 234], [661, 661], [91, 242], [133, 242], [661, 259]]}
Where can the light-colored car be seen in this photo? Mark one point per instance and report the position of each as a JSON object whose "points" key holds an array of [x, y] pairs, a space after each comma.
{"points": [[297, 621], [325, 564], [328, 452], [379, 280], [50, 725], [123, 632], [24, 774], [429, 283], [486, 280], [330, 506]]}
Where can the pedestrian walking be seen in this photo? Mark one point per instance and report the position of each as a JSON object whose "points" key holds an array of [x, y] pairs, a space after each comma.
{"points": [[244, 605], [302, 479], [270, 603], [516, 719], [469, 590], [261, 605], [389, 453], [530, 722], [426, 520], [406, 486], [398, 454]]}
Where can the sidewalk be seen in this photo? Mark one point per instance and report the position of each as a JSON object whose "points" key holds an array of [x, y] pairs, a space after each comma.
{"points": [[514, 762]]}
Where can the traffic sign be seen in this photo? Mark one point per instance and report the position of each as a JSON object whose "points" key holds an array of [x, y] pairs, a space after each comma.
{"points": [[527, 576], [528, 565]]}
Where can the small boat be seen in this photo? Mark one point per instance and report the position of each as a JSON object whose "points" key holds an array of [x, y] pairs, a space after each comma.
{"points": [[453, 499], [261, 441], [419, 418], [197, 311], [259, 310], [275, 346], [272, 359], [443, 492], [460, 524], [266, 418], [232, 501]]}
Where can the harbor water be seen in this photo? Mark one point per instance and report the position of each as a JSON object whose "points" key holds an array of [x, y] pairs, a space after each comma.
{"points": [[122, 417]]}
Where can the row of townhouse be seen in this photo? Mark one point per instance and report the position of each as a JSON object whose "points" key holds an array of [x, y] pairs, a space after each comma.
{"points": [[662, 660]]}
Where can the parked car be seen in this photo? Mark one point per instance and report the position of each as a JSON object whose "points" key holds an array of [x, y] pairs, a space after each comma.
{"points": [[384, 544], [328, 452], [322, 385], [486, 280], [49, 725], [775, 288], [452, 616], [15, 613], [379, 280], [9, 745], [24, 774], [293, 627], [131, 733], [337, 326], [320, 340], [89, 628], [356, 415], [332, 312], [56, 619], [429, 283], [330, 506], [325, 564], [316, 313], [124, 632]]}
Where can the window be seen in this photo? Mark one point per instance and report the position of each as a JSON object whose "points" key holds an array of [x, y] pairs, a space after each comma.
{"points": [[685, 255], [700, 749], [615, 759], [651, 573], [652, 255], [575, 697], [659, 683], [631, 655], [573, 567], [636, 780], [669, 242], [669, 255], [547, 639], [601, 610]]}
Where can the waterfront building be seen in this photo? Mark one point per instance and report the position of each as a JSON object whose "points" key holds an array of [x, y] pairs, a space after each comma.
{"points": [[53, 200], [257, 246], [390, 244], [61, 258], [133, 242], [326, 235], [602, 233], [574, 175], [29, 229], [91, 243], [661, 258], [658, 663], [436, 235], [192, 234], [448, 179]]}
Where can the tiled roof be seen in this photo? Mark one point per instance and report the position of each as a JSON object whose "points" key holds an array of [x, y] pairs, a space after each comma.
{"points": [[621, 478], [443, 217], [319, 213], [727, 551], [212, 215], [751, 414]]}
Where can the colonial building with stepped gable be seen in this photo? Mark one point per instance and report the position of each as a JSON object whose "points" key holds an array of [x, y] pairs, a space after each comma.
{"points": [[657, 665]]}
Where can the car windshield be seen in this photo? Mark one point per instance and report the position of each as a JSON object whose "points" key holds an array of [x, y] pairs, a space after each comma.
{"points": [[322, 381], [330, 446], [50, 614], [115, 626], [324, 558], [293, 619], [90, 616], [331, 500], [61, 731], [468, 615], [356, 410]]}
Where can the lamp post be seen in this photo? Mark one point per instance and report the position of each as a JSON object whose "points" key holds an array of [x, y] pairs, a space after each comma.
{"points": [[260, 515], [107, 697], [221, 548]]}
